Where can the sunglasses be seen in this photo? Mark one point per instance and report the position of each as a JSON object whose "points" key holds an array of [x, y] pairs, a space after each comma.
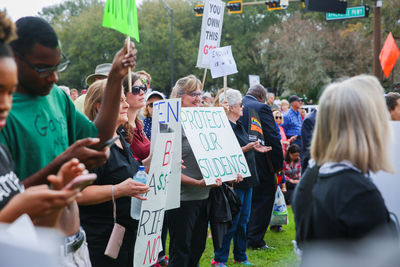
{"points": [[278, 117], [136, 89], [150, 105], [46, 72]]}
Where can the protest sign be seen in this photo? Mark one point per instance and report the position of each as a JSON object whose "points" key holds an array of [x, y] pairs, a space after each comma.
{"points": [[23, 244], [253, 80], [121, 15], [214, 144], [387, 183], [222, 62], [148, 239], [211, 28], [166, 118]]}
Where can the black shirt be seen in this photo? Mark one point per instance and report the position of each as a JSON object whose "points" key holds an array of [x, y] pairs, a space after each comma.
{"points": [[243, 139], [9, 182], [97, 220]]}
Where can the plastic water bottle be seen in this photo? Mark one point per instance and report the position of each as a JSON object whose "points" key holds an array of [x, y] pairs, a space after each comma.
{"points": [[136, 204]]}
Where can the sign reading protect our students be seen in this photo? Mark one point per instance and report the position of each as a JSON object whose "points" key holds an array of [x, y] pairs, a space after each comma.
{"points": [[214, 144]]}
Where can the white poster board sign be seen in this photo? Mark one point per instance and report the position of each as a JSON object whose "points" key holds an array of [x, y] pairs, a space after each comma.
{"points": [[253, 80], [211, 28], [23, 244], [148, 239], [387, 183], [222, 62], [214, 144], [166, 118]]}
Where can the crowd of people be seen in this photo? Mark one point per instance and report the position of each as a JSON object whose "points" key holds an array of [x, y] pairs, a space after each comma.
{"points": [[50, 135]]}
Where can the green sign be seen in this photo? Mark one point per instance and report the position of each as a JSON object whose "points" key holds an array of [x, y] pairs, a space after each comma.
{"points": [[121, 15], [351, 13]]}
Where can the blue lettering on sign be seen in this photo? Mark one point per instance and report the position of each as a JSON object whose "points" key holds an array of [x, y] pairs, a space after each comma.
{"points": [[166, 111]]}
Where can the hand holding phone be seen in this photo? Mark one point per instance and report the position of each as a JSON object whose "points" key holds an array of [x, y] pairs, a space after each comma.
{"points": [[109, 142], [81, 181]]}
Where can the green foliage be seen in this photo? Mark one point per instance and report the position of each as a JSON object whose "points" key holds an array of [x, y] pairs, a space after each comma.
{"points": [[292, 50]]}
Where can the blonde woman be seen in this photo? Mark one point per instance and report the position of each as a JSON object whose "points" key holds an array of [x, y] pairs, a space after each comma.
{"points": [[114, 178], [284, 106], [188, 224], [350, 141]]}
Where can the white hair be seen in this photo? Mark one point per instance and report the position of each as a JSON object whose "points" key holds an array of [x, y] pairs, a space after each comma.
{"points": [[233, 97]]}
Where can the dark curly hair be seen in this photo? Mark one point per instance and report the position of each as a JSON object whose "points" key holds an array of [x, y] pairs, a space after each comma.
{"points": [[7, 34]]}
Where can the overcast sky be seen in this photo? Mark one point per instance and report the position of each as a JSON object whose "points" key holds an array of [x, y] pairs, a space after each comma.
{"points": [[22, 8]]}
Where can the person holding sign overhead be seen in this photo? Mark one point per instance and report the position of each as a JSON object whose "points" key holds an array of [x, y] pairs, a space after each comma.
{"points": [[244, 189], [113, 181], [188, 224]]}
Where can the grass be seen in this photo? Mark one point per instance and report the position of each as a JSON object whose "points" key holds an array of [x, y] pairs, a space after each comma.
{"points": [[282, 256]]}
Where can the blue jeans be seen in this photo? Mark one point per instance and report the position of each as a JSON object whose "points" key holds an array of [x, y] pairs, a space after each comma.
{"points": [[238, 231]]}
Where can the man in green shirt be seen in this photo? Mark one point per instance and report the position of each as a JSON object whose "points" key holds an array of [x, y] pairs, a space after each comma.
{"points": [[43, 128]]}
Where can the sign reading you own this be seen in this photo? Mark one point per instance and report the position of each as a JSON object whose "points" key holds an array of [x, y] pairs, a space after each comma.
{"points": [[214, 144], [211, 28]]}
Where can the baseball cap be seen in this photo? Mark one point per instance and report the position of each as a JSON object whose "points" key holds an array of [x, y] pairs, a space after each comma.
{"points": [[294, 98], [153, 93]]}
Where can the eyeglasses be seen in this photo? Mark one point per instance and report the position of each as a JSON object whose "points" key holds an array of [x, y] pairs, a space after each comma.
{"points": [[46, 72], [278, 117], [136, 89], [193, 94], [150, 105]]}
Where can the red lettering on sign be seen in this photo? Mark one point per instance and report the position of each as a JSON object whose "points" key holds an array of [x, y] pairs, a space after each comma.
{"points": [[152, 251], [167, 155]]}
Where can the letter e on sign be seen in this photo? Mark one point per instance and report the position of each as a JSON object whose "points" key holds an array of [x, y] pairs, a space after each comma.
{"points": [[167, 153]]}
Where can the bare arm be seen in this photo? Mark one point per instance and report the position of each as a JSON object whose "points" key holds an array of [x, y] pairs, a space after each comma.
{"points": [[107, 117], [200, 183], [96, 194]]}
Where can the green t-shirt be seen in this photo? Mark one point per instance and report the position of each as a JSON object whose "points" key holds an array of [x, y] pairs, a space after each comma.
{"points": [[39, 128]]}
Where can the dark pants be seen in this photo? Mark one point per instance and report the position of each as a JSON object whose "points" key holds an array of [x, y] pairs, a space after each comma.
{"points": [[261, 210], [163, 237], [187, 226], [125, 256]]}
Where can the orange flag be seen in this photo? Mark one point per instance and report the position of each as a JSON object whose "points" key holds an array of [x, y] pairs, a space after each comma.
{"points": [[389, 55]]}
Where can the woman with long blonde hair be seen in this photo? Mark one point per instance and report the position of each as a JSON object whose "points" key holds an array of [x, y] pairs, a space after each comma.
{"points": [[350, 140]]}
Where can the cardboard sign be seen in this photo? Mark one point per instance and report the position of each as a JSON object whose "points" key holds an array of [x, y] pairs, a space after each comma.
{"points": [[211, 28], [214, 144], [222, 62], [121, 15], [148, 240], [166, 118], [387, 183], [253, 80]]}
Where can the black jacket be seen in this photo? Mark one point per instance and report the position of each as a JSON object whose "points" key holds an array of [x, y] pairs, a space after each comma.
{"points": [[271, 137], [346, 205], [307, 130], [223, 205]]}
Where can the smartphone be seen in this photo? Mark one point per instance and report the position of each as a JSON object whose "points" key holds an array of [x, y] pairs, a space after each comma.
{"points": [[81, 181], [109, 143]]}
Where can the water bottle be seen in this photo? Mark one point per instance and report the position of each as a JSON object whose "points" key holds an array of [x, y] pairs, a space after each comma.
{"points": [[136, 204]]}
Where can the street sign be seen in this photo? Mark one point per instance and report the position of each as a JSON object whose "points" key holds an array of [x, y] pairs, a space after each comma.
{"points": [[351, 13]]}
